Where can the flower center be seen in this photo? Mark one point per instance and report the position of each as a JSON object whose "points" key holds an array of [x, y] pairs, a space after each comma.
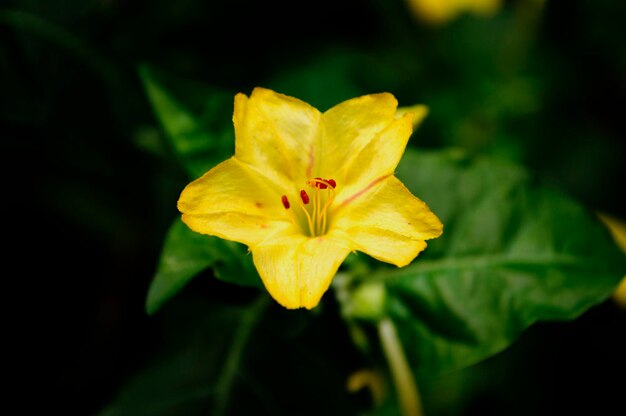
{"points": [[314, 206]]}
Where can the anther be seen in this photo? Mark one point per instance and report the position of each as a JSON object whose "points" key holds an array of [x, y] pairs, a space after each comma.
{"points": [[319, 183], [305, 197], [332, 183], [285, 201]]}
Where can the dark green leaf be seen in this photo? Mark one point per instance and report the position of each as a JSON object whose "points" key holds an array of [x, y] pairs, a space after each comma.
{"points": [[196, 118], [324, 80], [254, 358], [513, 252], [187, 253]]}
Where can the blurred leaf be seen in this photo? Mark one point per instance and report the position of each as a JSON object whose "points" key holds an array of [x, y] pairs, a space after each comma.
{"points": [[513, 252], [186, 376], [195, 117], [324, 80], [63, 39], [187, 253], [197, 121], [248, 359]]}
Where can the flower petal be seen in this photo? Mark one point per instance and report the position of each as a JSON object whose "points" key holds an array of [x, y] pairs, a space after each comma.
{"points": [[349, 127], [234, 202], [388, 222], [297, 270], [378, 159], [276, 134], [385, 245]]}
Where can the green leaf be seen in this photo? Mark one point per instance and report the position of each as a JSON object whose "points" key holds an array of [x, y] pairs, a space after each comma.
{"points": [[325, 79], [255, 358], [513, 252], [194, 367], [197, 119], [186, 253]]}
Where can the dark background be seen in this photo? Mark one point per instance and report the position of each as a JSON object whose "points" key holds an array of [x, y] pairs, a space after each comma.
{"points": [[89, 195]]}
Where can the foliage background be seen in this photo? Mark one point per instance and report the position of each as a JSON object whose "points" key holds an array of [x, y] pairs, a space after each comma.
{"points": [[91, 185]]}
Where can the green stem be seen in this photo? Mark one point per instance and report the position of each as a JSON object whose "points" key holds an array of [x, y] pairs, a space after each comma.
{"points": [[406, 388], [242, 334], [517, 43]]}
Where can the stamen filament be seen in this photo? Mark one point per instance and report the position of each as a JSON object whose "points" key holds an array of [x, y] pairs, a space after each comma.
{"points": [[329, 201], [318, 214], [316, 217], [309, 220]]}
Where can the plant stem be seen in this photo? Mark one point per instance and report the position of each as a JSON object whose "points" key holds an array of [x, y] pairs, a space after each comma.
{"points": [[233, 359], [406, 388]]}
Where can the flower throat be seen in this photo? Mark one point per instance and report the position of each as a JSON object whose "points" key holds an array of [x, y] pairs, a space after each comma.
{"points": [[315, 206]]}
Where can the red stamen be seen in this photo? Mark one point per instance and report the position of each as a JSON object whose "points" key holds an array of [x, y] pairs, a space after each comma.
{"points": [[332, 183], [304, 196], [319, 183], [285, 201]]}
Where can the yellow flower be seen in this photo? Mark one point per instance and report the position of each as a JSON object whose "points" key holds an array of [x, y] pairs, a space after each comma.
{"points": [[617, 228], [305, 188], [442, 11]]}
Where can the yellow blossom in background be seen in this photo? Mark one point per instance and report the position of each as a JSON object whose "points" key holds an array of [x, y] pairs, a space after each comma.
{"points": [[441, 11], [305, 188], [620, 294], [419, 112], [618, 231]]}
